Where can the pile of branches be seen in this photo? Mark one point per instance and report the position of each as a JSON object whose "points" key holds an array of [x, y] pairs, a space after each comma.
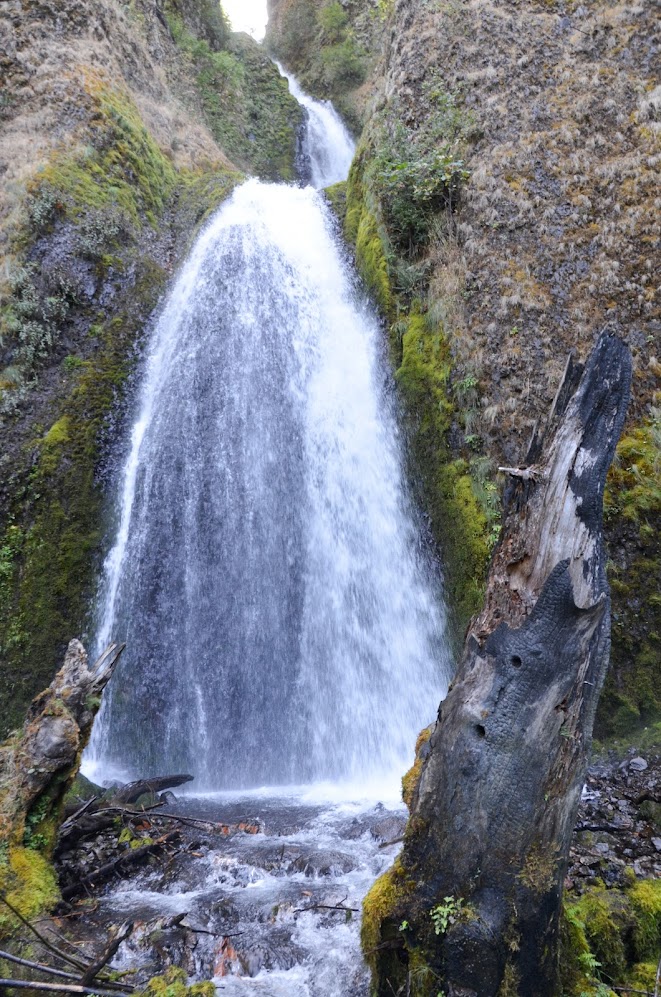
{"points": [[161, 831], [82, 976]]}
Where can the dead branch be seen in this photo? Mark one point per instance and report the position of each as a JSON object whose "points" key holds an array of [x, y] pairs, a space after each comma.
{"points": [[117, 865], [134, 790], [68, 988], [110, 949]]}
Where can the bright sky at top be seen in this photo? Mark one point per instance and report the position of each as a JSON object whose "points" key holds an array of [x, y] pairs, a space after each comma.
{"points": [[247, 15]]}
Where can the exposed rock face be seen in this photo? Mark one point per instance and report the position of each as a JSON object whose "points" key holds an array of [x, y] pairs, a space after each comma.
{"points": [[554, 113], [559, 222]]}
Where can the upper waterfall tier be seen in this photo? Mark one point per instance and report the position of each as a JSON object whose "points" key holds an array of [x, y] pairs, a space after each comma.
{"points": [[281, 621], [327, 146]]}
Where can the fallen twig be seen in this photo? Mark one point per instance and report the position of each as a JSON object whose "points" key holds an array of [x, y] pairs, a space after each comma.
{"points": [[395, 841], [44, 941], [304, 910], [36, 965], [612, 828], [340, 906], [69, 988], [112, 946]]}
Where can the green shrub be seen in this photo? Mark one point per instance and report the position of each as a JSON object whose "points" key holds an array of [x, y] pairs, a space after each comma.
{"points": [[333, 20], [344, 64]]}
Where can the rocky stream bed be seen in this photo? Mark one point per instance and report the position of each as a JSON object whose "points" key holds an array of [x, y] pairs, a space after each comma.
{"points": [[262, 892]]}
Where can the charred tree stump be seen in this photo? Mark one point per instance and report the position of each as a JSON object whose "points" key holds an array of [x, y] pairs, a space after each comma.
{"points": [[471, 907]]}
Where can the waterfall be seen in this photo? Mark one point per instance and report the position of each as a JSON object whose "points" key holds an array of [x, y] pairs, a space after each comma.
{"points": [[282, 621], [327, 147]]}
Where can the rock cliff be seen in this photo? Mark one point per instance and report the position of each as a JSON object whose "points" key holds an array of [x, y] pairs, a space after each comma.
{"points": [[121, 126]]}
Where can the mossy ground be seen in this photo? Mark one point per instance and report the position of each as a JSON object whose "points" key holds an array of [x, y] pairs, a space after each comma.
{"points": [[611, 938]]}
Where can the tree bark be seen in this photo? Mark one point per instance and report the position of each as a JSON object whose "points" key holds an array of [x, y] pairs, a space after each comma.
{"points": [[39, 762], [487, 843]]}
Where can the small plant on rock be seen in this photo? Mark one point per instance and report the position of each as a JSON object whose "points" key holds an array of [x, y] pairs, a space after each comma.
{"points": [[446, 914]]}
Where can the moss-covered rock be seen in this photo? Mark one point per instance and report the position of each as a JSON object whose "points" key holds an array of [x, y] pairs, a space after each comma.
{"points": [[411, 779], [632, 694], [244, 100], [90, 261], [611, 935], [174, 983], [380, 914], [336, 195], [28, 881]]}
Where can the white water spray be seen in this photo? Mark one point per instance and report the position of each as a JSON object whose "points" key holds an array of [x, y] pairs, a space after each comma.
{"points": [[281, 620], [327, 145]]}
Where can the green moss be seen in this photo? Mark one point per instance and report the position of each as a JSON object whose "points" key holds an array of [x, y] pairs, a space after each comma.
{"points": [[645, 897], [575, 954], [606, 918], [423, 377], [610, 933], [632, 505], [28, 881], [381, 905], [372, 262], [337, 198], [122, 170], [642, 977], [173, 983]]}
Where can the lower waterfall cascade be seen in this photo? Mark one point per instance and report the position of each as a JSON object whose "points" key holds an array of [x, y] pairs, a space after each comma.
{"points": [[269, 574]]}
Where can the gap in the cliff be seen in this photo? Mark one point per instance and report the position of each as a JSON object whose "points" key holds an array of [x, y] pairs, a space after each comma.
{"points": [[247, 15]]}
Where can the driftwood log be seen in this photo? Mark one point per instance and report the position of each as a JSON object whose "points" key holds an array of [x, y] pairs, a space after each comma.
{"points": [[471, 907], [132, 791]]}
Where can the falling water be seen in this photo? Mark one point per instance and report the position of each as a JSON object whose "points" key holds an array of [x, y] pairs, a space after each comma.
{"points": [[327, 147], [281, 620]]}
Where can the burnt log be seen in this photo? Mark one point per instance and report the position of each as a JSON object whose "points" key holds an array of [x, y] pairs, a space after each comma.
{"points": [[471, 907]]}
